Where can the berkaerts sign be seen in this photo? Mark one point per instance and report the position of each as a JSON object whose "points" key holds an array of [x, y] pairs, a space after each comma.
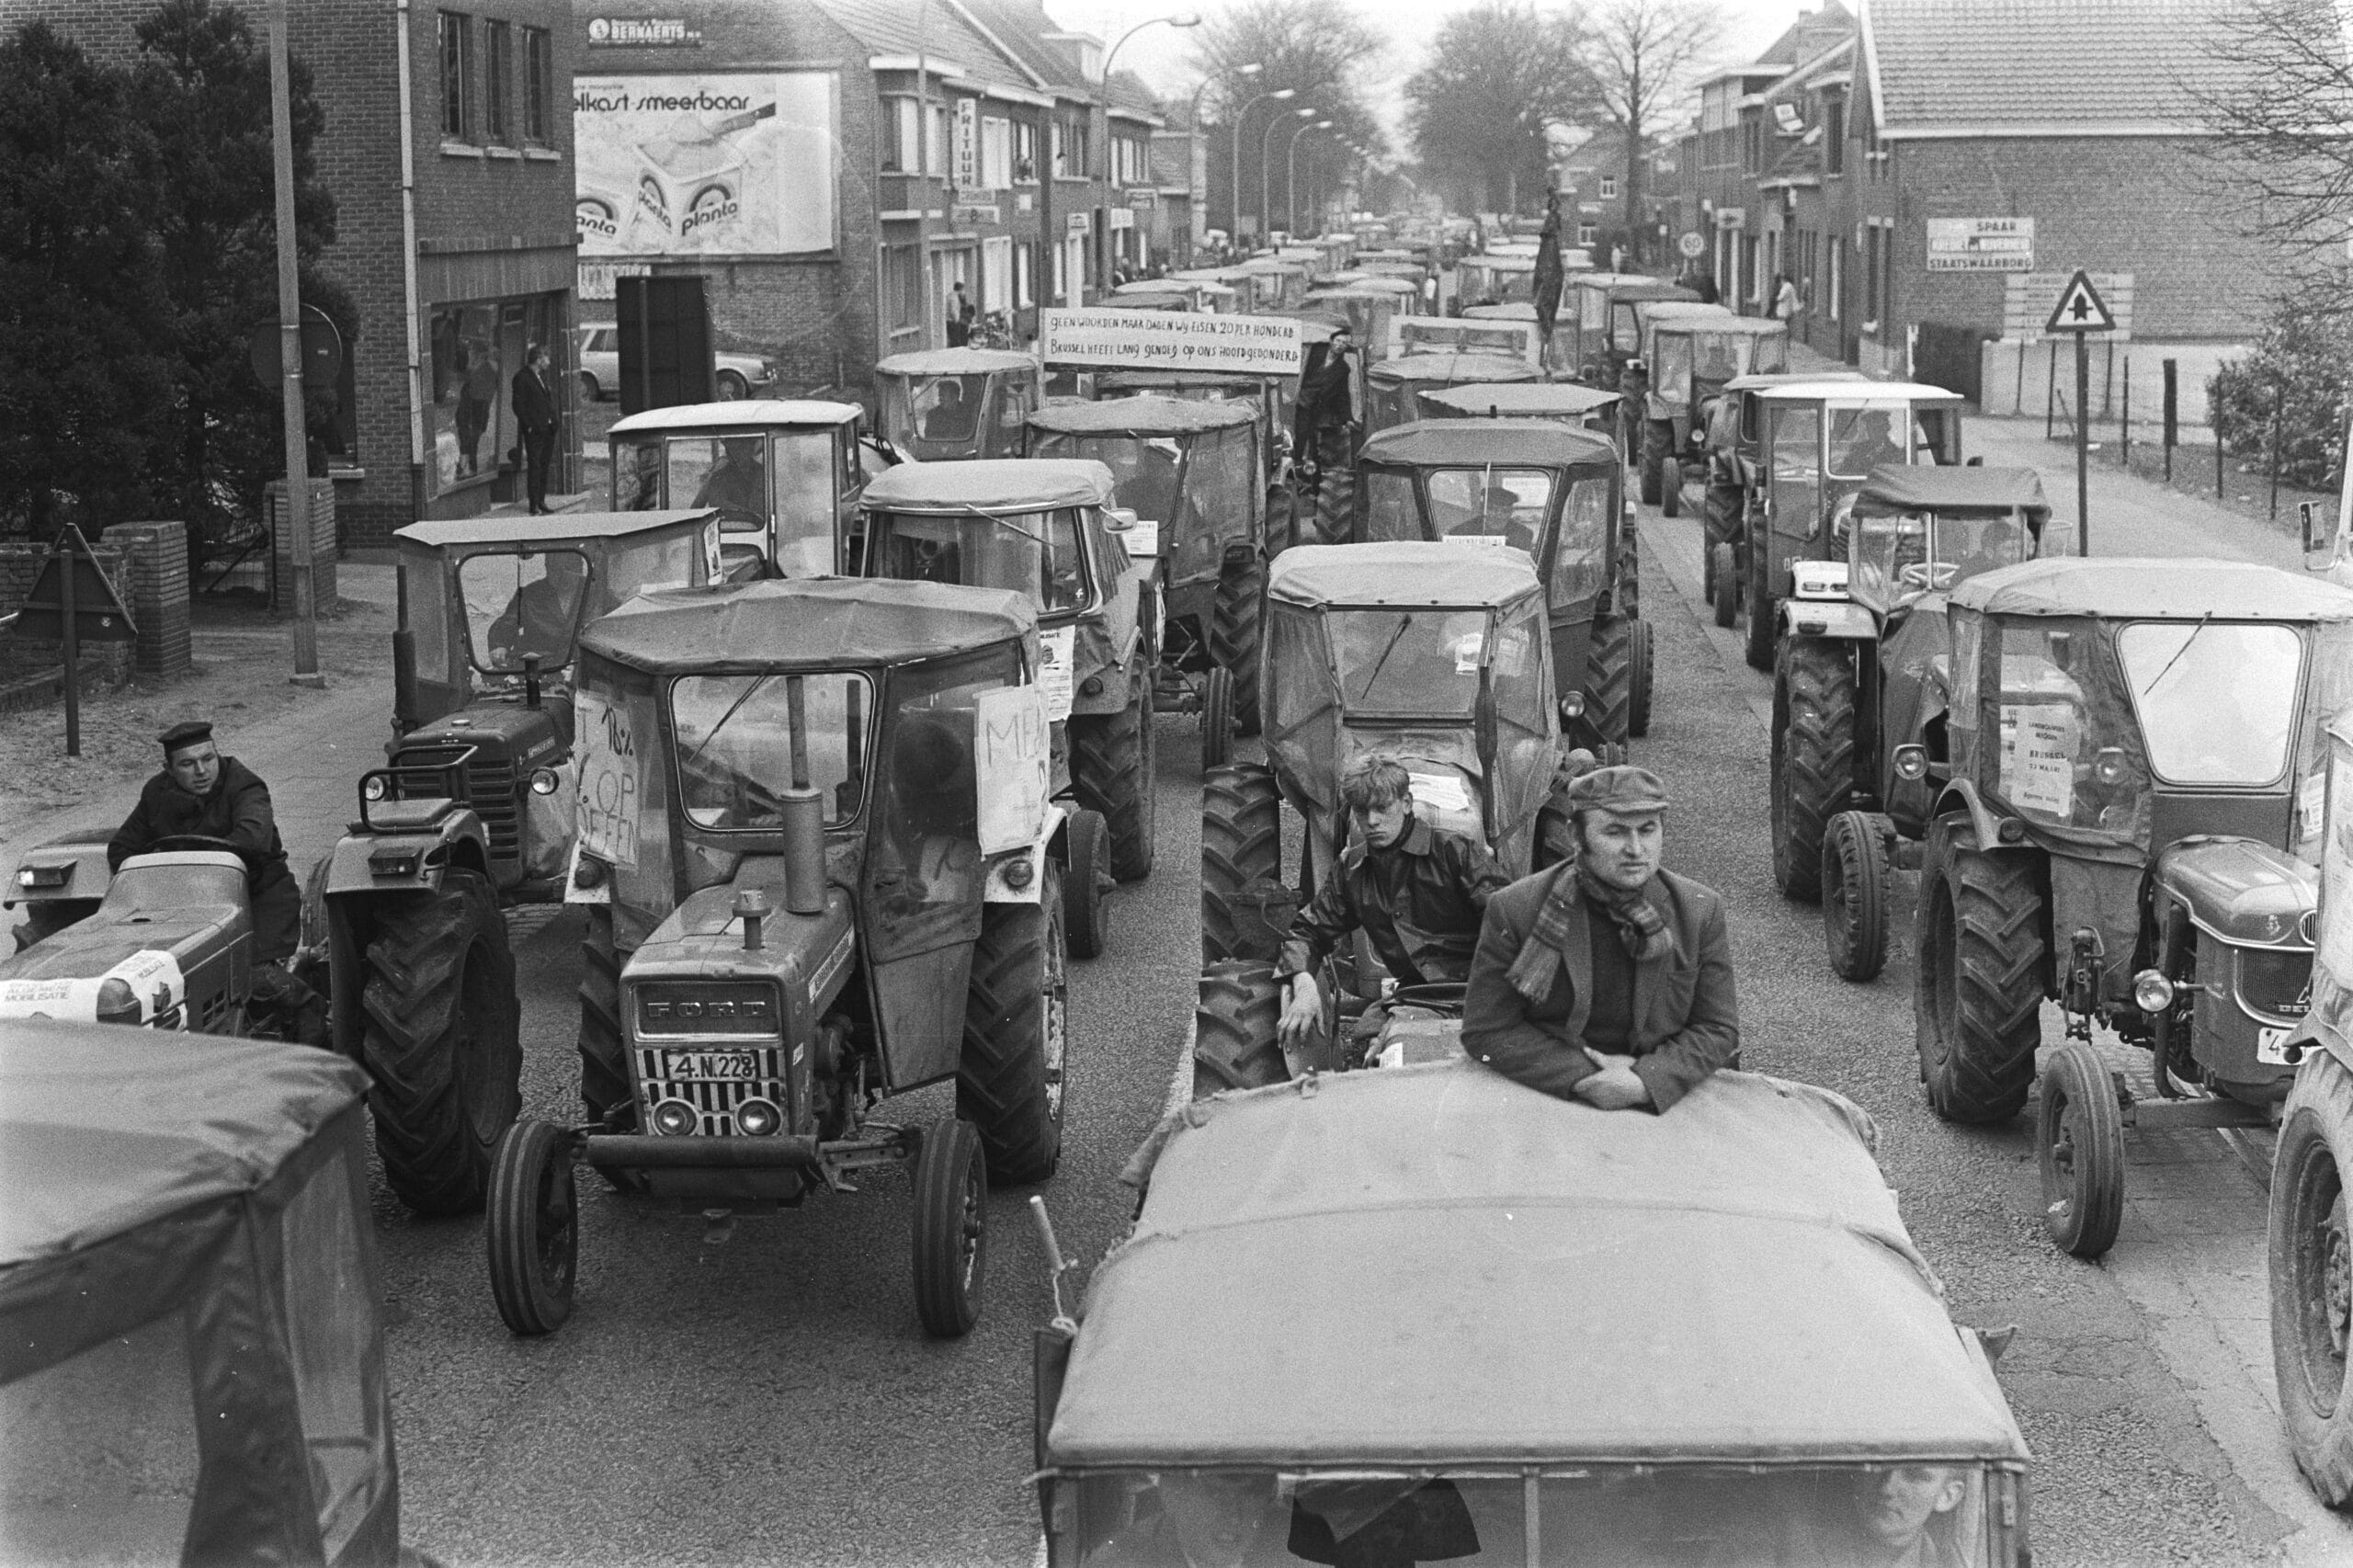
{"points": [[641, 32]]}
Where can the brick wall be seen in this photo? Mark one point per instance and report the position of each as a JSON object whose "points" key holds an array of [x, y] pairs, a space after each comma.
{"points": [[102, 663], [156, 557]]}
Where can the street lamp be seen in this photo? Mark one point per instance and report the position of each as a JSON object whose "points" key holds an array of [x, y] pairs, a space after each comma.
{"points": [[1265, 176], [1102, 137], [1290, 163], [1192, 133], [1234, 219]]}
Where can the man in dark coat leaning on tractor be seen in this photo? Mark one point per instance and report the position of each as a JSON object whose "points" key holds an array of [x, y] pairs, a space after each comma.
{"points": [[1605, 978]]}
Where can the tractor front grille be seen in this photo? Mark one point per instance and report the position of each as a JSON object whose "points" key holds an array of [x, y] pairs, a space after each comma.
{"points": [[418, 773], [2275, 981], [713, 1100]]}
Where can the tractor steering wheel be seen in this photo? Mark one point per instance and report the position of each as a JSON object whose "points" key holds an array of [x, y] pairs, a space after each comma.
{"points": [[1932, 576], [178, 842]]}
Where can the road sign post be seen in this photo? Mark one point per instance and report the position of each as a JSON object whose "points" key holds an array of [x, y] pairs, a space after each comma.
{"points": [[72, 600], [2081, 311]]}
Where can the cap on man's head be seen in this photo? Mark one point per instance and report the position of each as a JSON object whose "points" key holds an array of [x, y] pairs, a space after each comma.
{"points": [[185, 733], [1620, 789]]}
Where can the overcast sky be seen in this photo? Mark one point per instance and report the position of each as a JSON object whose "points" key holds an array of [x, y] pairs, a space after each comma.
{"points": [[1163, 56]]}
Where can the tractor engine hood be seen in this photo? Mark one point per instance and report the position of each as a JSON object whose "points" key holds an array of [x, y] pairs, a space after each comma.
{"points": [[528, 736], [2244, 892], [806, 955]]}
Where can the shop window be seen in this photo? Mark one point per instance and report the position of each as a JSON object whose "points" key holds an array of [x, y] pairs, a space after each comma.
{"points": [[498, 63], [538, 86], [1024, 273], [477, 351], [457, 70]]}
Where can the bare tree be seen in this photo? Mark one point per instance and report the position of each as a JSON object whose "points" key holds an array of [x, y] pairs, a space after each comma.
{"points": [[1500, 75], [1315, 48], [1642, 56]]}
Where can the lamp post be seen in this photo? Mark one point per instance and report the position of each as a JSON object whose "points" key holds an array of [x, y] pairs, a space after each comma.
{"points": [[1193, 130], [1234, 219], [1290, 168], [1265, 176], [1103, 139]]}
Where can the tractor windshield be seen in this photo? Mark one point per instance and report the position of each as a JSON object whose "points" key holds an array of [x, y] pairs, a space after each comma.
{"points": [[1409, 663], [2068, 753], [1862, 438], [1904, 556], [734, 738], [2217, 701], [1036, 553], [1490, 505], [1671, 375], [1392, 510], [1580, 560], [783, 478], [1147, 471], [522, 604], [1720, 356], [932, 418]]}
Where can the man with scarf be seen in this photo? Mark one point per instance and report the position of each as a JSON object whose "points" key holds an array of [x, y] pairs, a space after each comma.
{"points": [[1605, 978]]}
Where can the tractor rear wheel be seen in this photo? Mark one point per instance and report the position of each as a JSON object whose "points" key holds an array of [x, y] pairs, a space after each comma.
{"points": [[1009, 1076], [1609, 676], [1233, 634], [1282, 520], [1814, 758], [2080, 1135], [1240, 861], [1854, 895], [1336, 504], [1111, 764], [605, 1084], [952, 1183], [1217, 718], [441, 1040], [1977, 1001], [1670, 488], [1628, 600], [2312, 1275], [1638, 680], [1725, 591], [1086, 883], [1762, 611], [1650, 475], [1233, 1028], [532, 1230]]}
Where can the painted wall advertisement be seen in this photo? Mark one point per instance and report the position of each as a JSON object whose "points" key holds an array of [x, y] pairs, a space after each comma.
{"points": [[741, 163], [1981, 244]]}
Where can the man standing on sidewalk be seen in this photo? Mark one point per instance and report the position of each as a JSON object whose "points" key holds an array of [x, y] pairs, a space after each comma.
{"points": [[535, 418]]}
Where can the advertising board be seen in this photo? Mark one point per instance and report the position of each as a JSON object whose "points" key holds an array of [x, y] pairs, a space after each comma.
{"points": [[739, 164], [1257, 346]]}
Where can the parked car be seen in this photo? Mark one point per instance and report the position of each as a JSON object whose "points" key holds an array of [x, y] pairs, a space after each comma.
{"points": [[733, 376]]}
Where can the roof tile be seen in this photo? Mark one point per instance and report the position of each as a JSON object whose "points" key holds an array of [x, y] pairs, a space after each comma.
{"points": [[2024, 63]]}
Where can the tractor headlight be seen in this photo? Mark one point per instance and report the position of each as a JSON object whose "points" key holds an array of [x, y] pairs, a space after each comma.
{"points": [[1912, 762], [674, 1119], [589, 873], [374, 787], [117, 1003], [757, 1118], [2152, 992], [2111, 765], [545, 781]]}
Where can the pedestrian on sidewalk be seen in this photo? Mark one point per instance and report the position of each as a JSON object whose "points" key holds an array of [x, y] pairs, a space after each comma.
{"points": [[1787, 307], [535, 418], [961, 312]]}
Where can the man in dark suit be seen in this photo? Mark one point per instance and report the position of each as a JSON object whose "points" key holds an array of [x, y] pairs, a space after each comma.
{"points": [[535, 418], [1605, 978]]}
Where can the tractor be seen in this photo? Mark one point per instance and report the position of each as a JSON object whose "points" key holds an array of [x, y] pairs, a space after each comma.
{"points": [[1609, 327], [1862, 683], [1558, 357], [1493, 280], [1189, 471], [1433, 653], [1554, 494], [939, 405], [1817, 442], [1394, 387], [1041, 529], [1732, 443], [784, 476], [2132, 797], [1687, 362], [1483, 329], [815, 823], [1572, 404]]}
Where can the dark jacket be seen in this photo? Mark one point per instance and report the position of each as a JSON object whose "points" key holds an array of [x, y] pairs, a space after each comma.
{"points": [[238, 810], [1686, 1022], [534, 404], [1418, 904]]}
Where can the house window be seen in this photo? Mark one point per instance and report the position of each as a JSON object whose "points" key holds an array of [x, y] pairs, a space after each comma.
{"points": [[902, 289], [1751, 144], [1587, 235], [899, 146], [1024, 273], [539, 85], [1837, 276], [997, 273], [1609, 187], [934, 149], [456, 66], [996, 153], [1834, 135], [498, 65], [1025, 153]]}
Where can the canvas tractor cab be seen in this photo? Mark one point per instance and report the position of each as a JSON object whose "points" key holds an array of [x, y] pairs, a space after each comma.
{"points": [[784, 477], [1269, 397], [816, 852], [1045, 529], [1813, 1403], [1611, 309], [1434, 653], [1393, 388], [1687, 362], [1554, 494], [1189, 474], [1817, 442], [940, 405], [1733, 439], [1559, 357], [1572, 403], [1864, 684], [192, 1364], [2125, 821], [1494, 279]]}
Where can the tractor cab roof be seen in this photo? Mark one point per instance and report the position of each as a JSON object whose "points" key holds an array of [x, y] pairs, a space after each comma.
{"points": [[1147, 416], [502, 532], [1849, 391], [1706, 320], [1452, 370], [1476, 1235], [1765, 381], [807, 623], [1527, 399], [1519, 443], [1400, 573], [748, 415], [993, 485], [953, 362], [1942, 487], [1652, 291], [1240, 382], [1612, 280], [2144, 588]]}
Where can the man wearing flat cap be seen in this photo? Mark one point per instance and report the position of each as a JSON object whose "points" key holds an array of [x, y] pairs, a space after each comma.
{"points": [[1605, 978], [202, 794]]}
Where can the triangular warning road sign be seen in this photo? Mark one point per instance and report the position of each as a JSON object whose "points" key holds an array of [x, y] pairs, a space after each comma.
{"points": [[2080, 308]]}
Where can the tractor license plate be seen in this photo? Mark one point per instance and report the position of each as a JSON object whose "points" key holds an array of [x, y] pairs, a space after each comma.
{"points": [[2269, 1045], [709, 1064]]}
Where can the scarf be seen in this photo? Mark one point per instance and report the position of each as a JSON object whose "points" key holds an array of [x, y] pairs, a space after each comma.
{"points": [[1642, 929]]}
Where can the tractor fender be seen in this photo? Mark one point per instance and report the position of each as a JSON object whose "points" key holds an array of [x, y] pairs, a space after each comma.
{"points": [[63, 870], [1002, 889], [408, 861], [1828, 618], [1960, 795], [2241, 890]]}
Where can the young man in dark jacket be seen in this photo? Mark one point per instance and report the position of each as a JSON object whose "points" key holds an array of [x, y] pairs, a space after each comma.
{"points": [[1605, 978]]}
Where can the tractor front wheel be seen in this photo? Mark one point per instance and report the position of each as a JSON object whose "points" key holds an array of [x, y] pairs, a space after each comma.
{"points": [[952, 1183], [1086, 883], [1009, 1076], [1609, 677], [441, 1040], [1652, 476], [1240, 861], [2312, 1275], [1111, 769], [1234, 1029], [1814, 758], [1762, 611], [2079, 1134], [1233, 634], [532, 1230], [1725, 591], [1217, 718], [1670, 488], [1854, 895], [1977, 1002], [1628, 600]]}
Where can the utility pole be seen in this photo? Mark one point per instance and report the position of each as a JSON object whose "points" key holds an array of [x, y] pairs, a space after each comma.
{"points": [[289, 356], [923, 173]]}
